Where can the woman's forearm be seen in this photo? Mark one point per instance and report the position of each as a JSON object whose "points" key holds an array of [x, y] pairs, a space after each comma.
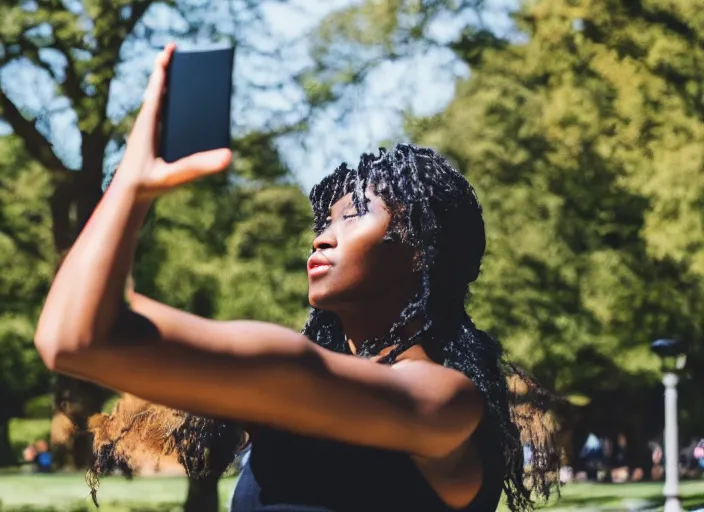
{"points": [[88, 290], [87, 293]]}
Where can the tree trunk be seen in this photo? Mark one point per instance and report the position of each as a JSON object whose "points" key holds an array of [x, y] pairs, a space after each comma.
{"points": [[76, 399], [6, 456], [202, 495]]}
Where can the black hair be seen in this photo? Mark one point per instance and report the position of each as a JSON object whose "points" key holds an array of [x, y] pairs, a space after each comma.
{"points": [[436, 211]]}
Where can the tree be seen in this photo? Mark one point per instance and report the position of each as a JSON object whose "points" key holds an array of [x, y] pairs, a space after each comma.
{"points": [[581, 142], [74, 56], [373, 61], [25, 245], [64, 69], [582, 131]]}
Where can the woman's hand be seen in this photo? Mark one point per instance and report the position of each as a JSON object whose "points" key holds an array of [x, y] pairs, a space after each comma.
{"points": [[88, 293], [141, 169]]}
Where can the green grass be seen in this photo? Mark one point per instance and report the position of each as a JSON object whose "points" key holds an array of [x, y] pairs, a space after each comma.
{"points": [[69, 493], [613, 497]]}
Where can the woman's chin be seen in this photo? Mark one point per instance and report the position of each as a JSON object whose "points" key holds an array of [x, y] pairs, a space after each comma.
{"points": [[321, 301], [316, 302]]}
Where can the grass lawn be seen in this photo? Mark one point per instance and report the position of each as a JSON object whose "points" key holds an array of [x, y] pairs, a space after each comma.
{"points": [[618, 497], [69, 493]]}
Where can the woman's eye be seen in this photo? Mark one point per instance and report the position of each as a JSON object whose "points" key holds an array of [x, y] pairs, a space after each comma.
{"points": [[350, 213], [326, 224]]}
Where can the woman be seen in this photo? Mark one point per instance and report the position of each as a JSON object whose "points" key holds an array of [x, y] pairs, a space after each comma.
{"points": [[391, 399]]}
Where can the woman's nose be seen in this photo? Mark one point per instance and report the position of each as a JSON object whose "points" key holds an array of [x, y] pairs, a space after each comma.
{"points": [[325, 240]]}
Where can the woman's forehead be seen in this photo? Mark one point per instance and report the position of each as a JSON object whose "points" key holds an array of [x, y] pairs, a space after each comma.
{"points": [[347, 200], [342, 202]]}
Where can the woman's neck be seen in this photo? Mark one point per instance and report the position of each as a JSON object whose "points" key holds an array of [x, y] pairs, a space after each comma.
{"points": [[357, 337], [373, 319]]}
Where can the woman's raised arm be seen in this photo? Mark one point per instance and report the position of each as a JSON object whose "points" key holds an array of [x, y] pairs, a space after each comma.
{"points": [[248, 371], [86, 295]]}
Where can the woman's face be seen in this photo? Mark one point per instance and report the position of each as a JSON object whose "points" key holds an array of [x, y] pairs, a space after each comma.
{"points": [[352, 264]]}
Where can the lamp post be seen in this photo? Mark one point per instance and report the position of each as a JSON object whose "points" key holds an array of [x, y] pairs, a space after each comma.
{"points": [[673, 355]]}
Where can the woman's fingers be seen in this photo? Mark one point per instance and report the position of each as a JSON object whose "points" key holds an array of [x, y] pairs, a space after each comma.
{"points": [[153, 94], [153, 174], [148, 117], [164, 57], [195, 166]]}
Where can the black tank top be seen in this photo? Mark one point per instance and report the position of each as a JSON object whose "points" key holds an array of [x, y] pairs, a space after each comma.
{"points": [[291, 473]]}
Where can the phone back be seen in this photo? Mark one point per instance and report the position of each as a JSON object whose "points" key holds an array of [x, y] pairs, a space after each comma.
{"points": [[196, 107]]}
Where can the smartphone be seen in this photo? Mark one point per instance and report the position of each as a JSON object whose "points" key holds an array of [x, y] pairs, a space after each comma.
{"points": [[195, 113]]}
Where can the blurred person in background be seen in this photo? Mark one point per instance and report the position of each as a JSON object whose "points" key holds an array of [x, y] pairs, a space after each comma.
{"points": [[591, 457], [619, 469], [39, 456], [658, 471]]}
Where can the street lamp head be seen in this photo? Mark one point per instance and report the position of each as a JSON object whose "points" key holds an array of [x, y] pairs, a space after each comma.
{"points": [[672, 353], [668, 347]]}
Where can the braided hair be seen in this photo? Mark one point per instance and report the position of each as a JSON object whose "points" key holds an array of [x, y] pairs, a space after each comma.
{"points": [[436, 211]]}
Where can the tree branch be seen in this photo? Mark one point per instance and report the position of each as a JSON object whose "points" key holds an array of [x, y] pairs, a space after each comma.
{"points": [[72, 84], [31, 51], [36, 144], [113, 43], [110, 55]]}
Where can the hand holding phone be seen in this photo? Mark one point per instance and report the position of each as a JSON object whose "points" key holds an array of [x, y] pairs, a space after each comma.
{"points": [[196, 106], [142, 174]]}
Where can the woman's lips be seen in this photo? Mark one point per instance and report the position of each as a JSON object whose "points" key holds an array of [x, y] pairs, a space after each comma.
{"points": [[318, 270], [318, 265]]}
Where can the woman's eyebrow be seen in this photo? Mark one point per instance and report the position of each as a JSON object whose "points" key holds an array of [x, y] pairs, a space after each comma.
{"points": [[342, 208]]}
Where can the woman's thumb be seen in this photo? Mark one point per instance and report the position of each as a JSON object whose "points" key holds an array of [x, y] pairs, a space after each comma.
{"points": [[197, 165]]}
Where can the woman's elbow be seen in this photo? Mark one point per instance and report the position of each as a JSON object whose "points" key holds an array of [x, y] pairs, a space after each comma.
{"points": [[47, 350], [51, 345]]}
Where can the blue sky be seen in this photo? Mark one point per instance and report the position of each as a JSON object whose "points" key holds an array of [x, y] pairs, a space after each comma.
{"points": [[423, 84]]}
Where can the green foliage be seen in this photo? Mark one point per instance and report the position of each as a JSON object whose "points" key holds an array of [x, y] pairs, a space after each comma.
{"points": [[587, 154], [233, 245], [25, 257], [22, 371], [256, 157], [206, 250], [236, 253], [39, 407], [26, 245], [583, 136], [27, 431], [353, 42], [24, 432]]}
